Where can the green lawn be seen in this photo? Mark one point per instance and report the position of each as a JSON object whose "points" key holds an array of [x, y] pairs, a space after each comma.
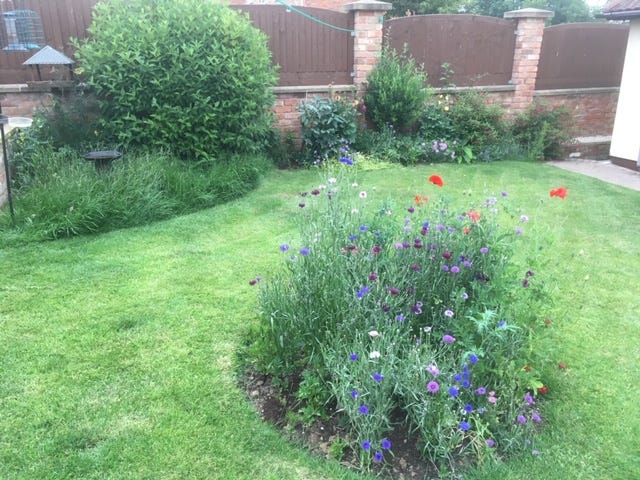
{"points": [[118, 353]]}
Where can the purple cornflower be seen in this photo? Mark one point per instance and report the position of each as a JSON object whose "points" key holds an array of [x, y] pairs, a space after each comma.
{"points": [[524, 218], [529, 399], [394, 291], [448, 338], [284, 247], [415, 267], [305, 251], [448, 313], [455, 269], [480, 391], [366, 445], [353, 357], [354, 394], [417, 308], [433, 386], [490, 442], [364, 410], [433, 370], [484, 250], [411, 209], [521, 419], [400, 317], [464, 426], [518, 231], [386, 444], [445, 268], [377, 377], [535, 416]]}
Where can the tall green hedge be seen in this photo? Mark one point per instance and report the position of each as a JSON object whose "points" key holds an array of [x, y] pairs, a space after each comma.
{"points": [[191, 75]]}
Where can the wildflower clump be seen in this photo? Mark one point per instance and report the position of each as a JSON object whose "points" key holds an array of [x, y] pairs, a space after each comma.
{"points": [[400, 310]]}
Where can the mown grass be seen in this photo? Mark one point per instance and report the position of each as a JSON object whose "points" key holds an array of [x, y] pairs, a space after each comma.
{"points": [[119, 352]]}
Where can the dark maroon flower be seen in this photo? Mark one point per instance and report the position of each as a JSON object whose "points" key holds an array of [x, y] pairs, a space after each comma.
{"points": [[373, 277], [315, 191], [301, 204], [446, 255], [394, 291]]}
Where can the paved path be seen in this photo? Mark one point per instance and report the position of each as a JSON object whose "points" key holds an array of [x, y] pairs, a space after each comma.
{"points": [[603, 170]]}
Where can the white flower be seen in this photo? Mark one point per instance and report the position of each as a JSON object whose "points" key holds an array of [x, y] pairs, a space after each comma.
{"points": [[354, 184], [375, 354], [355, 211], [363, 194], [374, 334], [321, 187], [332, 180]]}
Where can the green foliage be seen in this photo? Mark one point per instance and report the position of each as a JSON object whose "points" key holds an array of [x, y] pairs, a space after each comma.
{"points": [[477, 123], [396, 91], [328, 128], [59, 194], [542, 131], [374, 306], [565, 11], [192, 75]]}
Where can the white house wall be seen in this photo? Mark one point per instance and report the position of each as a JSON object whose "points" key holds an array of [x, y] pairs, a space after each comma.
{"points": [[625, 140]]}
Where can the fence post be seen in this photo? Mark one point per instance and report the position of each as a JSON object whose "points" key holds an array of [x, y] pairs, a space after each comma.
{"points": [[530, 23], [367, 44]]}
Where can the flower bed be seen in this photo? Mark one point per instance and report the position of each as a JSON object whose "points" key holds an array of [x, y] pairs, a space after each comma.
{"points": [[411, 315]]}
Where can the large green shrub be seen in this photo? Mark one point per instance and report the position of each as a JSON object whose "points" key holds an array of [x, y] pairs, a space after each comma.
{"points": [[396, 93], [192, 75]]}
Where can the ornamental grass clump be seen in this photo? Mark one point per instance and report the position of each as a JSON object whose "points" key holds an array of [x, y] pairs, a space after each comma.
{"points": [[400, 308]]}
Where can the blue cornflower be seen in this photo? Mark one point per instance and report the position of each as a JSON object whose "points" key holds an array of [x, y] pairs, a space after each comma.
{"points": [[378, 457], [364, 410], [354, 394], [386, 444], [363, 291], [464, 426], [468, 408], [453, 391], [473, 358], [366, 445], [377, 377], [353, 357], [346, 160], [305, 251], [400, 317], [363, 228], [284, 247]]}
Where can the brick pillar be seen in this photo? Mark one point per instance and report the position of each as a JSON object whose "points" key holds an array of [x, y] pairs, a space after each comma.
{"points": [[367, 44], [530, 24]]}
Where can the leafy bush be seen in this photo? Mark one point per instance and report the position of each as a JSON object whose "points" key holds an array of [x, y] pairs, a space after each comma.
{"points": [[396, 91], [542, 131], [328, 127], [59, 194], [407, 312], [477, 123], [192, 75]]}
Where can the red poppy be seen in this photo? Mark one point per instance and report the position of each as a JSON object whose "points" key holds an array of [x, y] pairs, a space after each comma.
{"points": [[473, 215], [547, 321], [466, 230], [420, 199], [562, 365], [558, 192], [543, 390], [436, 180], [527, 368]]}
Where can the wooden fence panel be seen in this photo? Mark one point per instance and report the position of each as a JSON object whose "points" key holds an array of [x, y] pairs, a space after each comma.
{"points": [[307, 52], [582, 55], [479, 49], [61, 21]]}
